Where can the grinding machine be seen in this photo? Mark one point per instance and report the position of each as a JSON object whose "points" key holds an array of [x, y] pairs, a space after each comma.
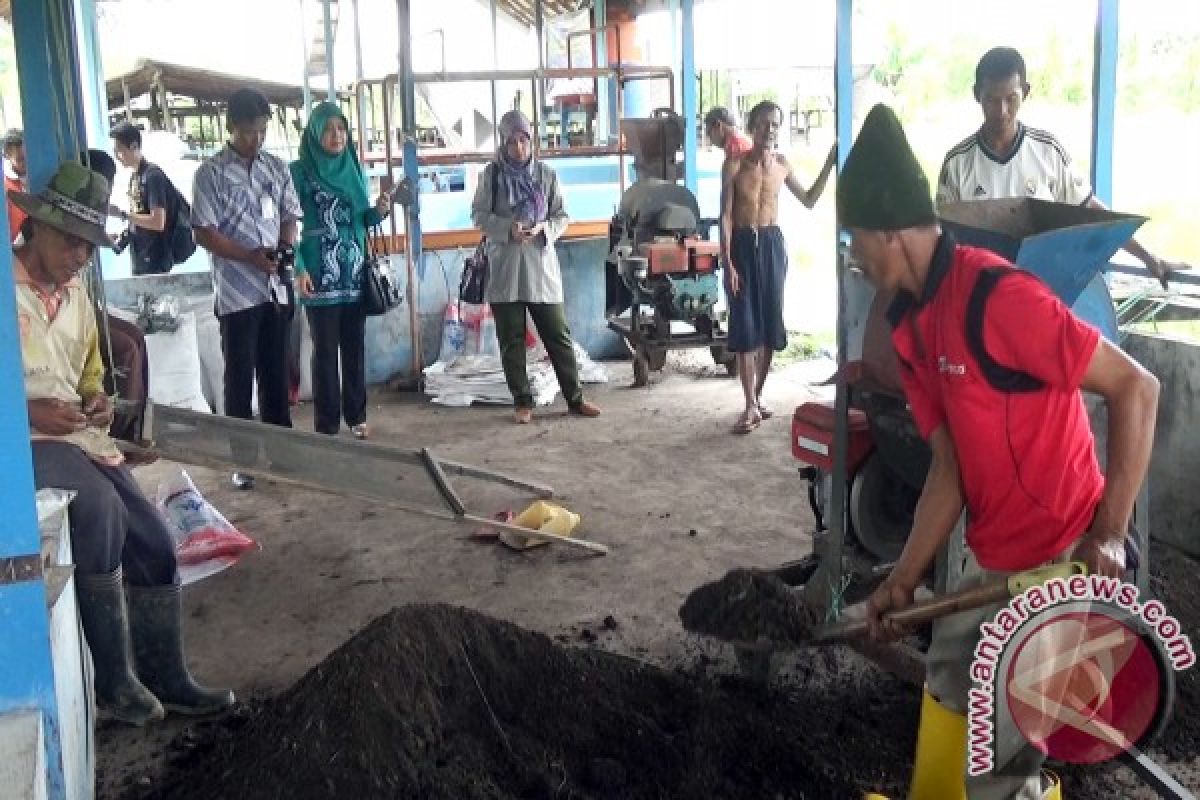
{"points": [[662, 265]]}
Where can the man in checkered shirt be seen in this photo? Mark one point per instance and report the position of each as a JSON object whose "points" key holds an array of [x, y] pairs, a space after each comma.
{"points": [[1006, 158]]}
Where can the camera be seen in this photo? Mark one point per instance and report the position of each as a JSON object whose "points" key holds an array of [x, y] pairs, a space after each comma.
{"points": [[122, 242], [284, 256]]}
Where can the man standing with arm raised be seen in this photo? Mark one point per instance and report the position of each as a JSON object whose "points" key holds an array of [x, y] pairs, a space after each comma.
{"points": [[755, 254]]}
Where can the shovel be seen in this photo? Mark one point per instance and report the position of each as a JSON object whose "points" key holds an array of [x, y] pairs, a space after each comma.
{"points": [[952, 602], [754, 610]]}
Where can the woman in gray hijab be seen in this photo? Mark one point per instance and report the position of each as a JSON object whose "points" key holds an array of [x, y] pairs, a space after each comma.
{"points": [[519, 208]]}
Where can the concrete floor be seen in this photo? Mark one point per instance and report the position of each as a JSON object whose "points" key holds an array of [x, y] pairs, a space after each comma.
{"points": [[658, 478]]}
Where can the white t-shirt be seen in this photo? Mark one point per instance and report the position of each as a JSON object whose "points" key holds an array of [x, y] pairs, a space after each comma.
{"points": [[1038, 167]]}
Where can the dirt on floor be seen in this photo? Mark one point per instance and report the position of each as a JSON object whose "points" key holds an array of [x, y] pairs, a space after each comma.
{"points": [[377, 654]]}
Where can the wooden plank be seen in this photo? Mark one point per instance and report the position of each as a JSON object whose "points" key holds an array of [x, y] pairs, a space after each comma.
{"points": [[538, 489], [442, 482]]}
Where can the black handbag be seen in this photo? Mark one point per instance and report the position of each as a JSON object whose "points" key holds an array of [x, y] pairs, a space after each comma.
{"points": [[380, 291], [472, 286]]}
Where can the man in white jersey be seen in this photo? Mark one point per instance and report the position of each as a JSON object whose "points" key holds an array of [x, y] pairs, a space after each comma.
{"points": [[1006, 158]]}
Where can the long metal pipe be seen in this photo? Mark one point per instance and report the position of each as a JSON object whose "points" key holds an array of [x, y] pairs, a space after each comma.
{"points": [[328, 18], [412, 220], [495, 66], [548, 73], [358, 83]]}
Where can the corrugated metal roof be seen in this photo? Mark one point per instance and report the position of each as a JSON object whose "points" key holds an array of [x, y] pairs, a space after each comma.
{"points": [[197, 83], [523, 10]]}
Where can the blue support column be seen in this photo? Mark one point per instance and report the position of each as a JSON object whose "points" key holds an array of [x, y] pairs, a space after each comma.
{"points": [[688, 79], [27, 675], [843, 68], [1104, 98], [48, 106]]}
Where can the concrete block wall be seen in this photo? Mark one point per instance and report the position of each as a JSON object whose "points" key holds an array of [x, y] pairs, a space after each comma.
{"points": [[1175, 465]]}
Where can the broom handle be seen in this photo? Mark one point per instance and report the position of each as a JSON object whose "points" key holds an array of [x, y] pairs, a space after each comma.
{"points": [[954, 602]]}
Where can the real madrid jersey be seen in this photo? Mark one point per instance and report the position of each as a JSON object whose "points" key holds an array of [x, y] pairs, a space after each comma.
{"points": [[1037, 166]]}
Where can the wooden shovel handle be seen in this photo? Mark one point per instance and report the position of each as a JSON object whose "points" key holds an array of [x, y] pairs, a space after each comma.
{"points": [[963, 600]]}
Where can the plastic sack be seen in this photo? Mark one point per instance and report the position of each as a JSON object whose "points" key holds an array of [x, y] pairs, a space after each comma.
{"points": [[205, 542]]}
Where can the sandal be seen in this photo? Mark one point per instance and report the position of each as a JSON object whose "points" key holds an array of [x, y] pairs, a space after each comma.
{"points": [[764, 412], [747, 422]]}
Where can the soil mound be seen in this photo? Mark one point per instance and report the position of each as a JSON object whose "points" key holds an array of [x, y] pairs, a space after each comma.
{"points": [[441, 702]]}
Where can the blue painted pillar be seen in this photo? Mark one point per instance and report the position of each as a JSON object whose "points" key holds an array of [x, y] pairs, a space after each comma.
{"points": [[27, 675], [843, 69], [51, 105], [1104, 98], [688, 80]]}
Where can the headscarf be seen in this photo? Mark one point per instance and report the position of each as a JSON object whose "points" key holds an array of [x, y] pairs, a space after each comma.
{"points": [[340, 174], [525, 195]]}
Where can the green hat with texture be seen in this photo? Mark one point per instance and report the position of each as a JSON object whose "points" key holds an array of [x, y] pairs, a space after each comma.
{"points": [[75, 202], [882, 187]]}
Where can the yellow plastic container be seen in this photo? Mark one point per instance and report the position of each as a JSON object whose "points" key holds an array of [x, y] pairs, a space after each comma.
{"points": [[541, 516]]}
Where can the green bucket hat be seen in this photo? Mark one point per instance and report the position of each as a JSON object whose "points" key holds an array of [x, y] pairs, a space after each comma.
{"points": [[75, 202], [881, 186]]}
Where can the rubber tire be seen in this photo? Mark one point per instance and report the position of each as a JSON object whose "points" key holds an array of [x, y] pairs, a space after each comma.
{"points": [[877, 530]]}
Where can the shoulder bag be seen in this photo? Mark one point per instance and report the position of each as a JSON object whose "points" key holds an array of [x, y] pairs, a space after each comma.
{"points": [[380, 291]]}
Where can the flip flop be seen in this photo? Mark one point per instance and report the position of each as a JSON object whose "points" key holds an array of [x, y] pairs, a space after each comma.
{"points": [[746, 423], [764, 412]]}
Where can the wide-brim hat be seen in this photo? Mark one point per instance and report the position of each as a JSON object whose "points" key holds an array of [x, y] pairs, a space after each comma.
{"points": [[75, 202]]}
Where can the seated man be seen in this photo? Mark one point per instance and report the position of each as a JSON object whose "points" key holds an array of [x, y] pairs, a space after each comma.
{"points": [[116, 532], [123, 348]]}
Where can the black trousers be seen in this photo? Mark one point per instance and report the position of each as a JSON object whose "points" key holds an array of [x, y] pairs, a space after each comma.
{"points": [[112, 521], [338, 330], [254, 344]]}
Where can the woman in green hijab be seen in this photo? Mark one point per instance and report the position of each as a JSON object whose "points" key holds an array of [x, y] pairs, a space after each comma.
{"points": [[329, 266]]}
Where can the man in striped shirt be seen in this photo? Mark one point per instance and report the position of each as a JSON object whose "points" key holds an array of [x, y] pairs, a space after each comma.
{"points": [[1006, 158], [244, 207]]}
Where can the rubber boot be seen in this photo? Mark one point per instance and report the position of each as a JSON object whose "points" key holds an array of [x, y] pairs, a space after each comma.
{"points": [[940, 768], [105, 618], [154, 614]]}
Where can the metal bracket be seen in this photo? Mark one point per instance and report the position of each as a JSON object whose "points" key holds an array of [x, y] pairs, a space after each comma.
{"points": [[19, 569]]}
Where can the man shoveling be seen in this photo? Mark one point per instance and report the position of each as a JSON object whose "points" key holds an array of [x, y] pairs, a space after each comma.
{"points": [[997, 395]]}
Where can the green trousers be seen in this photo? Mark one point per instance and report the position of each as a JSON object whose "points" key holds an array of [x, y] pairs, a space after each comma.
{"points": [[551, 325]]}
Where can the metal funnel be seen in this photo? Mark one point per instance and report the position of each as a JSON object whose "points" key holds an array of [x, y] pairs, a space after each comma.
{"points": [[1064, 245], [654, 143]]}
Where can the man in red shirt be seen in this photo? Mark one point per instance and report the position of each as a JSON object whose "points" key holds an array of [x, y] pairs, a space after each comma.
{"points": [[993, 378], [721, 130]]}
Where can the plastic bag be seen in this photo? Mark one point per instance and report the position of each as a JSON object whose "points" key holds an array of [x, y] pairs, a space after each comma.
{"points": [[205, 542]]}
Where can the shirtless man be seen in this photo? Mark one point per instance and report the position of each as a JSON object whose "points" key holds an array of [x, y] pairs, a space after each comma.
{"points": [[755, 255]]}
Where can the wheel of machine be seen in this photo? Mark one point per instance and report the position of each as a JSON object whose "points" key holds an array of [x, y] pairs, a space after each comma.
{"points": [[881, 509], [641, 369], [722, 356]]}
